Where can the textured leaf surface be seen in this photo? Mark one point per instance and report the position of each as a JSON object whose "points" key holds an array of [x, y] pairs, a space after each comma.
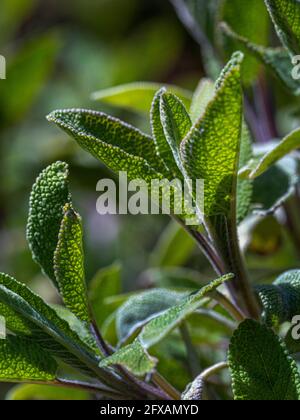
{"points": [[135, 355], [118, 145], [286, 17], [260, 366], [22, 360], [244, 187], [202, 96], [49, 195], [281, 300], [287, 145], [69, 264], [139, 309], [176, 123], [45, 326], [280, 181], [105, 284], [277, 60], [211, 150], [138, 96], [162, 145]]}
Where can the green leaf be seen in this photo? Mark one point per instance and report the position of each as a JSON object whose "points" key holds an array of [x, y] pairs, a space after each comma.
{"points": [[202, 96], [133, 357], [290, 143], [244, 187], [30, 392], [157, 329], [281, 300], [277, 60], [260, 366], [286, 18], [22, 360], [45, 326], [69, 264], [138, 96], [280, 182], [106, 283], [140, 309], [162, 146], [251, 22], [174, 248], [49, 195], [176, 123], [211, 150], [118, 145]]}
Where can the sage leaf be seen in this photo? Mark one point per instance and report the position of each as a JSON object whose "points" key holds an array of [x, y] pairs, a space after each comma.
{"points": [[290, 143], [21, 360], [49, 195], [140, 309], [281, 300], [134, 356], [278, 60], [138, 96], [69, 264], [260, 366], [251, 22], [286, 18], [118, 145], [202, 96], [211, 149]]}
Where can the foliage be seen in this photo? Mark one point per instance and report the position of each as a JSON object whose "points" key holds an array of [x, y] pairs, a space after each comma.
{"points": [[230, 306]]}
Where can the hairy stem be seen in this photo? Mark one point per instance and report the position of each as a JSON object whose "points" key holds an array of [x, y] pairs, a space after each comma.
{"points": [[166, 386]]}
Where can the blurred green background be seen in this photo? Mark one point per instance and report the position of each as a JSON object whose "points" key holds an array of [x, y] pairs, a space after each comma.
{"points": [[58, 53]]}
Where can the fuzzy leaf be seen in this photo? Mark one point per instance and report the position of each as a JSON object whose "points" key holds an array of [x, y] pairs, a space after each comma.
{"points": [[280, 181], [286, 18], [21, 360], [277, 60], [244, 187], [140, 309], [138, 96], [45, 326], [202, 96], [69, 264], [157, 329], [133, 357], [260, 366], [118, 145], [211, 150], [162, 145], [49, 195], [290, 143], [281, 300], [176, 123]]}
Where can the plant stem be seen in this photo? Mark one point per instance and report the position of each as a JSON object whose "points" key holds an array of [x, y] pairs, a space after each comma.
{"points": [[209, 313], [229, 306], [193, 358], [166, 386], [106, 392], [213, 370]]}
